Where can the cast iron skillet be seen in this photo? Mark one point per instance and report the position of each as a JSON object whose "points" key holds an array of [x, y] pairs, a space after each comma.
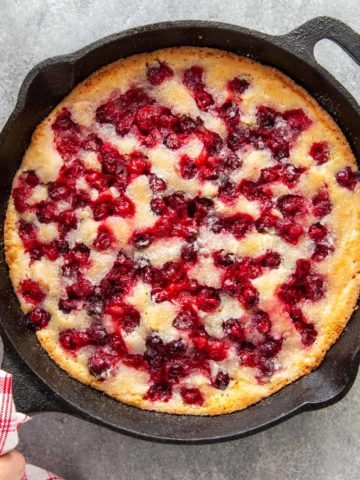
{"points": [[39, 384]]}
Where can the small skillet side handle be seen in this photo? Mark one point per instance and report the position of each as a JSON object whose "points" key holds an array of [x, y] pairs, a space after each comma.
{"points": [[303, 39]]}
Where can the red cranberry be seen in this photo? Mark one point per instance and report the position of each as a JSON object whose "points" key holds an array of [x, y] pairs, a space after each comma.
{"points": [[266, 116], [261, 321], [223, 259], [238, 85], [124, 207], [142, 240], [234, 329], [138, 163], [58, 191], [156, 183], [321, 204], [297, 120], [72, 339], [104, 238], [100, 362], [158, 206], [188, 168], [306, 330], [192, 396], [347, 178], [45, 211], [208, 299], [185, 320], [125, 315], [240, 224], [80, 289], [317, 231], [189, 254], [111, 160], [159, 392], [38, 318], [319, 151], [266, 222], [291, 205], [31, 292], [158, 73], [229, 112], [321, 251], [270, 259], [290, 232], [67, 221], [228, 191], [249, 296]]}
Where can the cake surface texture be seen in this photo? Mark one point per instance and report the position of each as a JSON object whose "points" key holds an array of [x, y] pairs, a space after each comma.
{"points": [[183, 231]]}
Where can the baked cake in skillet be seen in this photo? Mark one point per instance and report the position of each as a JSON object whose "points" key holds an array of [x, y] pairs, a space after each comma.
{"points": [[183, 231]]}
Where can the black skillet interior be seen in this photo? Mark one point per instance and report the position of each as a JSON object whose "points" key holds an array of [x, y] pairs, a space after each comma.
{"points": [[52, 389]]}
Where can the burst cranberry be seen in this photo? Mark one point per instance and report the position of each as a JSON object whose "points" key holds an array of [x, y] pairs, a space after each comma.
{"points": [[159, 391], [158, 206], [290, 232], [100, 363], [270, 259], [347, 178], [266, 116], [172, 141], [234, 329], [45, 211], [239, 224], [124, 207], [321, 251], [58, 191], [297, 120], [208, 299], [192, 396], [186, 319], [306, 330], [67, 306], [142, 240], [223, 259], [291, 205], [111, 160], [67, 221], [104, 238], [238, 85], [80, 289], [229, 112], [266, 222], [125, 315], [188, 168], [228, 191], [138, 163], [158, 73], [38, 318], [317, 231], [319, 151], [203, 100], [321, 204], [261, 321], [31, 292], [72, 339], [249, 296], [189, 254], [156, 183]]}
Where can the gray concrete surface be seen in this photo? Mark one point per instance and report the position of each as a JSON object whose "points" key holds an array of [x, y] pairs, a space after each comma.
{"points": [[325, 444]]}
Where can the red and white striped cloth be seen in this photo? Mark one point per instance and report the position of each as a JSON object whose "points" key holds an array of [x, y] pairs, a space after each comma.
{"points": [[10, 421]]}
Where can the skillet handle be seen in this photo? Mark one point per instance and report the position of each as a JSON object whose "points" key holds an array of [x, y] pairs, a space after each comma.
{"points": [[303, 39]]}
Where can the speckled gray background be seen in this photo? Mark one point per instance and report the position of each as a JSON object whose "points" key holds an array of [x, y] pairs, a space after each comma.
{"points": [[325, 444]]}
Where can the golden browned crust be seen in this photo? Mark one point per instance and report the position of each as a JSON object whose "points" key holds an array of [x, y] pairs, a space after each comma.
{"points": [[343, 268]]}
